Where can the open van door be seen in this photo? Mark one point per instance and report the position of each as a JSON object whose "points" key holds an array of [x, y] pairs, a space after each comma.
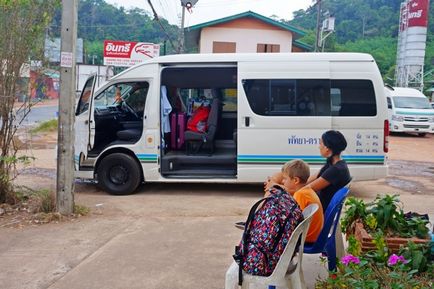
{"points": [[84, 121]]}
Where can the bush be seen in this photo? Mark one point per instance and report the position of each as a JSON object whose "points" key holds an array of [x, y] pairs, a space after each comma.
{"points": [[379, 269]]}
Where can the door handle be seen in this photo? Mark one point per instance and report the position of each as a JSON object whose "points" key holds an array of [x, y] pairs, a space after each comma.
{"points": [[247, 121]]}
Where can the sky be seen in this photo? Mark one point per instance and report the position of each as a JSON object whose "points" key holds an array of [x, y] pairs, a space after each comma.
{"points": [[207, 10]]}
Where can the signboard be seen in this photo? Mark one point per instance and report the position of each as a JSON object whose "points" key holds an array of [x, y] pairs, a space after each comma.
{"points": [[53, 54], [66, 59], [127, 53], [418, 13]]}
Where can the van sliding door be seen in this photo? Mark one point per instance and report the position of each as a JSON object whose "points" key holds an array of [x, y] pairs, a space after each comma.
{"points": [[283, 109]]}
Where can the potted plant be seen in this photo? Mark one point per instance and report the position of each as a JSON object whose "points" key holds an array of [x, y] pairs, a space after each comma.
{"points": [[385, 215]]}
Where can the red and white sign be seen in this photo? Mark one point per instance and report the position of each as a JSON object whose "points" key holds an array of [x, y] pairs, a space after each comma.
{"points": [[417, 14], [127, 53]]}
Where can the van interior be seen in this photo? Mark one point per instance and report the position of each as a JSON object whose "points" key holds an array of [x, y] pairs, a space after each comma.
{"points": [[199, 121], [118, 115]]}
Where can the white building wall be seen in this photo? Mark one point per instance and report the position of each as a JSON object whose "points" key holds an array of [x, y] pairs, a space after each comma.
{"points": [[245, 39]]}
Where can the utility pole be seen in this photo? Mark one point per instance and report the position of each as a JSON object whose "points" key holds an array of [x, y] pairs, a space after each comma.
{"points": [[181, 35], [318, 20], [65, 147]]}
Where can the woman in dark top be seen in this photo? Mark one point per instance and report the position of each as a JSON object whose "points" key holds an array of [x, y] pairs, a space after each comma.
{"points": [[334, 174]]}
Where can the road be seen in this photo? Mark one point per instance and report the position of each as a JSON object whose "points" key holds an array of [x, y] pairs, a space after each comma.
{"points": [[39, 113]]}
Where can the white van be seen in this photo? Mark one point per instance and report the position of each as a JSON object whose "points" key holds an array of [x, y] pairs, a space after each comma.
{"points": [[264, 109], [409, 111]]}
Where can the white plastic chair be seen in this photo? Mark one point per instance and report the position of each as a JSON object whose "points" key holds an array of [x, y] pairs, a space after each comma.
{"points": [[286, 275]]}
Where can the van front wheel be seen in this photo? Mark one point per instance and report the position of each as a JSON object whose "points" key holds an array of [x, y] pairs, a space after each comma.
{"points": [[119, 174]]}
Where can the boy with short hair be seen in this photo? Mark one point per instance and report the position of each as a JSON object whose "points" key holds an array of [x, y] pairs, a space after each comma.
{"points": [[293, 178]]}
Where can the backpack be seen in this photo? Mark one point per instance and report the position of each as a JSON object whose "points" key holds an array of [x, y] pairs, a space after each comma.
{"points": [[266, 233], [198, 121]]}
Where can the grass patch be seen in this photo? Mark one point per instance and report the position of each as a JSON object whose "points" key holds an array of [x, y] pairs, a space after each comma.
{"points": [[46, 201], [46, 126], [81, 210]]}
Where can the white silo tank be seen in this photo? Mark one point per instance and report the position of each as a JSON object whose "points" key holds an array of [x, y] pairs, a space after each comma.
{"points": [[415, 44]]}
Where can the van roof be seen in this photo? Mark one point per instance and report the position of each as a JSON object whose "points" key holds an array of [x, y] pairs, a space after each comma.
{"points": [[235, 57], [405, 91], [250, 57]]}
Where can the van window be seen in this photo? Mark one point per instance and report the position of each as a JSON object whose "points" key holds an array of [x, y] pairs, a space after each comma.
{"points": [[353, 98], [83, 103], [229, 100], [389, 103], [411, 102], [288, 97], [132, 93]]}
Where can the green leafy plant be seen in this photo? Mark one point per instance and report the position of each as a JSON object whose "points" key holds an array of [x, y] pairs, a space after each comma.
{"points": [[354, 246], [381, 252], [388, 213], [355, 210], [384, 214], [416, 227], [417, 254]]}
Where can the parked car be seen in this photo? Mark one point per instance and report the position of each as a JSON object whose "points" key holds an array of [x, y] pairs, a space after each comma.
{"points": [[409, 111]]}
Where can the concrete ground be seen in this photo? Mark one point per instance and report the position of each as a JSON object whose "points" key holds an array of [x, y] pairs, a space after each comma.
{"points": [[172, 236]]}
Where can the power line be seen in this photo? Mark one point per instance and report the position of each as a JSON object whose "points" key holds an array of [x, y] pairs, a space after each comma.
{"points": [[161, 25]]}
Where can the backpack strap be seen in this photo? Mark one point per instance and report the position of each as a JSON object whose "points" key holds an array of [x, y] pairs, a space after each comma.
{"points": [[238, 256]]}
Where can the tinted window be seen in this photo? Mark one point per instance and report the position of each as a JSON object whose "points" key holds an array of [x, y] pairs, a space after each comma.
{"points": [[353, 98], [288, 97], [83, 103]]}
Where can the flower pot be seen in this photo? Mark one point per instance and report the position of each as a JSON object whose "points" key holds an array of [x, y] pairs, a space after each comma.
{"points": [[393, 243]]}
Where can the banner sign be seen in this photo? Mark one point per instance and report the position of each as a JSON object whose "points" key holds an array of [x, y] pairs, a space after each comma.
{"points": [[418, 13], [127, 53]]}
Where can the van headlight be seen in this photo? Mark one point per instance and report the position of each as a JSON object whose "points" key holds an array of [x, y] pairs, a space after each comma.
{"points": [[431, 119], [397, 117]]}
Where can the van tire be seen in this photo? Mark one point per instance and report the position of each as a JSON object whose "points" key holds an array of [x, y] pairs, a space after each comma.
{"points": [[119, 174], [422, 134]]}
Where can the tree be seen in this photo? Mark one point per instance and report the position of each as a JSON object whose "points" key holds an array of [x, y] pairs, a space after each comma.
{"points": [[23, 23]]}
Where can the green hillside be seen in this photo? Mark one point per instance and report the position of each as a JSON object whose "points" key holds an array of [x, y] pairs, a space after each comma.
{"points": [[369, 26]]}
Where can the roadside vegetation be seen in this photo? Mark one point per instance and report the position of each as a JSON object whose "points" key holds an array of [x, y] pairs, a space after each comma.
{"points": [[23, 25], [46, 126]]}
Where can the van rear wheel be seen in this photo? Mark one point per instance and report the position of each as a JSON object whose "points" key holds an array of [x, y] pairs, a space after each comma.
{"points": [[119, 174], [422, 134]]}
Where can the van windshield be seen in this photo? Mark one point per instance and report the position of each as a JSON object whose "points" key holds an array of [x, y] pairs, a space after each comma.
{"points": [[411, 102]]}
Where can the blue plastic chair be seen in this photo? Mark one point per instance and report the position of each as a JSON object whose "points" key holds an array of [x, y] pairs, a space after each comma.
{"points": [[326, 242]]}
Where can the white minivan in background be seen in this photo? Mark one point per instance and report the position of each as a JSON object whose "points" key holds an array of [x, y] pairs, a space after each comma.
{"points": [[409, 111], [264, 110]]}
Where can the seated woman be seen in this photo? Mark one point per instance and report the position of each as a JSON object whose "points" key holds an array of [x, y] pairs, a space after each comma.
{"points": [[334, 174]]}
